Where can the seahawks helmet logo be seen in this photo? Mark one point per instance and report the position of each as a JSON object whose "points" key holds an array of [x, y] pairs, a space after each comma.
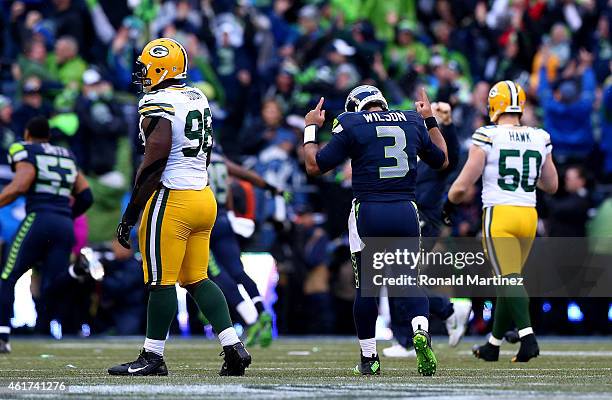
{"points": [[159, 51]]}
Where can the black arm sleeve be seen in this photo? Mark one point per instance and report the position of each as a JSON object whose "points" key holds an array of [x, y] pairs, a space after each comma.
{"points": [[82, 201]]}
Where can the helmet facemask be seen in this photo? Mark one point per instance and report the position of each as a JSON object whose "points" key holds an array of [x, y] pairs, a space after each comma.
{"points": [[139, 77]]}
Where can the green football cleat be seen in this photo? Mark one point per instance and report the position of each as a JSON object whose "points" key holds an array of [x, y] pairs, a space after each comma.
{"points": [[368, 366], [426, 359], [252, 334], [265, 331]]}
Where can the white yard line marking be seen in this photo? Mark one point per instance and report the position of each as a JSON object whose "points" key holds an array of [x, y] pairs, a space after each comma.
{"points": [[557, 353]]}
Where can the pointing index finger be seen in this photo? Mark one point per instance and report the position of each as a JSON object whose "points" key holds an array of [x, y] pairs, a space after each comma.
{"points": [[424, 97], [320, 104]]}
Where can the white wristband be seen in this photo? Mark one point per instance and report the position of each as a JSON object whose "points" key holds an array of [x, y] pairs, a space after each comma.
{"points": [[310, 134]]}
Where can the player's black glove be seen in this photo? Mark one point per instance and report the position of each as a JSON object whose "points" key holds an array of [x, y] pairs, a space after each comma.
{"points": [[448, 212], [130, 217]]}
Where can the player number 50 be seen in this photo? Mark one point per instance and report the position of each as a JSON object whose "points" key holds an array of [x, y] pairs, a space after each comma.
{"points": [[519, 177]]}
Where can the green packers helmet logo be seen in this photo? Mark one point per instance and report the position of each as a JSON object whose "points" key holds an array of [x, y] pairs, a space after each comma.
{"points": [[159, 51]]}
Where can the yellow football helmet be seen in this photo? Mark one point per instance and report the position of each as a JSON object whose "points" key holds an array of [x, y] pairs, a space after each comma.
{"points": [[161, 59], [505, 97]]}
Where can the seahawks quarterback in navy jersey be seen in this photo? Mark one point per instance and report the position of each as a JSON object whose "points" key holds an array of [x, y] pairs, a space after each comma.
{"points": [[48, 177], [383, 146]]}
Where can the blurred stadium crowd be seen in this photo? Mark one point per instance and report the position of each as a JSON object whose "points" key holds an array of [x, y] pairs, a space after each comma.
{"points": [[263, 64]]}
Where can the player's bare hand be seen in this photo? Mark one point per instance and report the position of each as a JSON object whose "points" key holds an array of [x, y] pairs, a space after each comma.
{"points": [[423, 107], [316, 116], [442, 112]]}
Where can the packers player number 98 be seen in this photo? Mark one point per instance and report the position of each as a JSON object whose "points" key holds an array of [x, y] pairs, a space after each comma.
{"points": [[178, 207]]}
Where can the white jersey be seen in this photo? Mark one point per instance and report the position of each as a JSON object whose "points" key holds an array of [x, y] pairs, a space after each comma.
{"points": [[515, 155], [187, 109]]}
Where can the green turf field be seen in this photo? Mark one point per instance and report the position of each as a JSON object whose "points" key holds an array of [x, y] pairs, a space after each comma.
{"points": [[307, 368]]}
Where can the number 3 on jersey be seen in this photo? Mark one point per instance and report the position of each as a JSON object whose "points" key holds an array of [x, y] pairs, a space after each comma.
{"points": [[198, 127], [397, 151]]}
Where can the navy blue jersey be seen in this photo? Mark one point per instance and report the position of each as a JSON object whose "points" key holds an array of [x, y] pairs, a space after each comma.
{"points": [[383, 147], [432, 185], [56, 172]]}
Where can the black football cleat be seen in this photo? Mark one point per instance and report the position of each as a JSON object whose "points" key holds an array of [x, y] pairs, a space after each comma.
{"points": [[147, 364], [486, 352], [529, 349], [236, 360], [368, 366], [5, 347], [512, 336]]}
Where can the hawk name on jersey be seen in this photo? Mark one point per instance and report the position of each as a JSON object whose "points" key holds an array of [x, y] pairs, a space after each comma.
{"points": [[515, 155], [188, 111], [56, 172]]}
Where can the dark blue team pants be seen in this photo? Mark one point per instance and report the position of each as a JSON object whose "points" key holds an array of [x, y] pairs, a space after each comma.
{"points": [[387, 219], [44, 242], [439, 305], [226, 250]]}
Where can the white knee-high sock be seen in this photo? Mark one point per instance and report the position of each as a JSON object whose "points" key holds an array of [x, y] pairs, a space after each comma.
{"points": [[155, 346], [228, 337], [420, 322], [368, 347]]}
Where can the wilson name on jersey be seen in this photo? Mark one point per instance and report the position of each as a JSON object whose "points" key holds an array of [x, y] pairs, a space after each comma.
{"points": [[188, 111], [56, 172], [515, 155]]}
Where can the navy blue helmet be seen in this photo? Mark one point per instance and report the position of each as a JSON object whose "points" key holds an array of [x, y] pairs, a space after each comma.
{"points": [[363, 95]]}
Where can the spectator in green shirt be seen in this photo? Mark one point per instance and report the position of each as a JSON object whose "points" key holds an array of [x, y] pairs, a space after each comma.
{"points": [[66, 64], [406, 50]]}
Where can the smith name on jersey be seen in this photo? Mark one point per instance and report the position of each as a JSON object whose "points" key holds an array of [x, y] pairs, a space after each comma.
{"points": [[515, 155], [188, 111], [56, 172], [383, 147]]}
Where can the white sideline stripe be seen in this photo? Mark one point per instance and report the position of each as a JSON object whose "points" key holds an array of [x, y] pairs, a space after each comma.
{"points": [[557, 353], [277, 391]]}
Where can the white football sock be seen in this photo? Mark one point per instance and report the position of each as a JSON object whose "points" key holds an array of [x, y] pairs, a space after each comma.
{"points": [[155, 346], [228, 337], [368, 347], [247, 311], [525, 331], [495, 341], [421, 323], [5, 329]]}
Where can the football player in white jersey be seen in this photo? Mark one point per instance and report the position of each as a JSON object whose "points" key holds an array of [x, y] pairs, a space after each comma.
{"points": [[178, 208], [513, 160]]}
